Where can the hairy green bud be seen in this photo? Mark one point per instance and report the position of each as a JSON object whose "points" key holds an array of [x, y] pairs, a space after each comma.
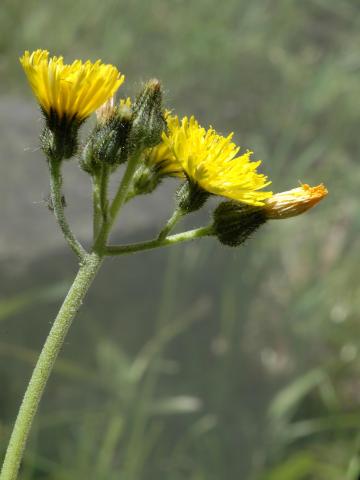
{"points": [[108, 142], [235, 222], [145, 180], [59, 138], [191, 197], [148, 119]]}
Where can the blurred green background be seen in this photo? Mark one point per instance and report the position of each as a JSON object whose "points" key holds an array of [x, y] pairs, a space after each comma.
{"points": [[199, 362]]}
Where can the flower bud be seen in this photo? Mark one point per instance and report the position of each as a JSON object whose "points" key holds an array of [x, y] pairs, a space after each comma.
{"points": [[108, 141], [235, 222], [157, 163], [191, 197], [294, 202], [148, 120], [59, 140], [145, 180]]}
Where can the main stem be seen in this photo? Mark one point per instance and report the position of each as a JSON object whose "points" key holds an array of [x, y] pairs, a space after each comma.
{"points": [[45, 363], [90, 264]]}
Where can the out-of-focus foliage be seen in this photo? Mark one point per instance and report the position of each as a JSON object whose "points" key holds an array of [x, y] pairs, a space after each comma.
{"points": [[266, 385]]}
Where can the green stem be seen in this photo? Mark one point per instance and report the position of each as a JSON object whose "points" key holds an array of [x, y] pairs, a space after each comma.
{"points": [[57, 205], [118, 202], [172, 240], [41, 373], [96, 206], [100, 198], [170, 224], [104, 185]]}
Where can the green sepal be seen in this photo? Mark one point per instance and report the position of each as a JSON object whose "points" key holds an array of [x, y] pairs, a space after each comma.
{"points": [[235, 222], [59, 138], [191, 196]]}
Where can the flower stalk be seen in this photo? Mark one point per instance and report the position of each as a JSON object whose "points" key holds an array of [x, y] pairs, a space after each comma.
{"points": [[57, 204], [118, 202], [170, 224], [97, 216], [157, 243]]}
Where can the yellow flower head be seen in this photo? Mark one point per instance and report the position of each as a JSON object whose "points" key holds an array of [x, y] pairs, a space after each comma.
{"points": [[70, 92], [294, 202], [162, 158], [211, 161]]}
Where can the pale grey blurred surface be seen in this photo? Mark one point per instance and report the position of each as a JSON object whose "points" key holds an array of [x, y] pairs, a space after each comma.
{"points": [[28, 227]]}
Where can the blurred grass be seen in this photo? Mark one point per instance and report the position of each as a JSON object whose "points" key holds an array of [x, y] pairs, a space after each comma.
{"points": [[266, 386]]}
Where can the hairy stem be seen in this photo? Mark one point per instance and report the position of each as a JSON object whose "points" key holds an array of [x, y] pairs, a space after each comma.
{"points": [[96, 206], [58, 206], [104, 186], [45, 363], [151, 244], [170, 224], [118, 202]]}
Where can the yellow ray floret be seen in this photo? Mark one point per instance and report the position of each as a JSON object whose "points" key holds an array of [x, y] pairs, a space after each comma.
{"points": [[162, 158], [211, 161], [72, 91], [294, 202]]}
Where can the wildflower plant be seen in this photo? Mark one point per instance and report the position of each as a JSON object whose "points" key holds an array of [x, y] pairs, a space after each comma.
{"points": [[153, 144]]}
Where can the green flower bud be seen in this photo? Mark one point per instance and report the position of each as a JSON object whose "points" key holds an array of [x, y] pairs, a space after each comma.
{"points": [[235, 222], [148, 119], [191, 197], [59, 139], [108, 142], [146, 179]]}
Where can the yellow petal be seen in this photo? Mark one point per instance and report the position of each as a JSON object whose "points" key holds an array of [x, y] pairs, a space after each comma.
{"points": [[294, 202], [72, 91]]}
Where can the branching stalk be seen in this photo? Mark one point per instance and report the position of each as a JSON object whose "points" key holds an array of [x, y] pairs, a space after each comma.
{"points": [[157, 243], [170, 224], [104, 186], [97, 217], [118, 202], [57, 205]]}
